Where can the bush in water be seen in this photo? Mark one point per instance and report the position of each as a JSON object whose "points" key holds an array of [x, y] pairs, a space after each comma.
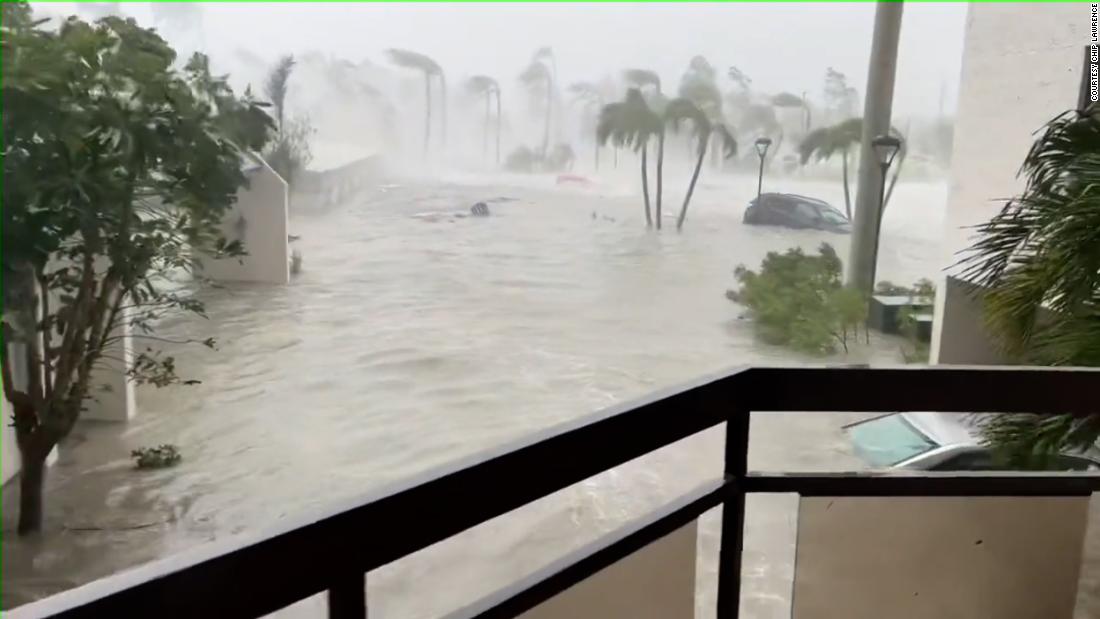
{"points": [[799, 300]]}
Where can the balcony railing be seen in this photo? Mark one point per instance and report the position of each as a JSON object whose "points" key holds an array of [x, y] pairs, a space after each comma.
{"points": [[251, 575]]}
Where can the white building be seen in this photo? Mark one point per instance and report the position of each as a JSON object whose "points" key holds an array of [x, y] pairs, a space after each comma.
{"points": [[1023, 65]]}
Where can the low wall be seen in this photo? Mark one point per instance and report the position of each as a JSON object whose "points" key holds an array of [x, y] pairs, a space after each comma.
{"points": [[320, 190], [259, 221]]}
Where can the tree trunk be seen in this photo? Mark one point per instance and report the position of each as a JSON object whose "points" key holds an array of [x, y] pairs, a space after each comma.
{"points": [[427, 112], [32, 478], [498, 127], [645, 187], [485, 132], [847, 195], [691, 185], [660, 174], [615, 155], [546, 123], [443, 108]]}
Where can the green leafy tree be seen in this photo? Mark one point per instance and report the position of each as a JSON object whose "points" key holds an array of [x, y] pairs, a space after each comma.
{"points": [[680, 111], [799, 300], [1037, 265], [118, 169], [483, 85], [631, 123], [430, 70]]}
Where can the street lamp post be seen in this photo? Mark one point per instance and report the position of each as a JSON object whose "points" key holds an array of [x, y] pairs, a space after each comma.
{"points": [[762, 145], [886, 147]]}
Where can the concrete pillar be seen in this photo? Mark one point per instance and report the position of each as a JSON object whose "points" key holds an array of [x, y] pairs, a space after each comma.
{"points": [[260, 220], [877, 105], [1021, 67]]}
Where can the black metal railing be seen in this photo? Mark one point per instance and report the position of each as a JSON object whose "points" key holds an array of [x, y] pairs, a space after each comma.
{"points": [[252, 575]]}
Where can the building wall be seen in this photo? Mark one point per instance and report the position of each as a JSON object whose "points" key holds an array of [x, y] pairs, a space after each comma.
{"points": [[1022, 66], [260, 220]]}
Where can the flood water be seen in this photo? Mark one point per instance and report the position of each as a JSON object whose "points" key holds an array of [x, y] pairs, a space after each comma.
{"points": [[413, 338]]}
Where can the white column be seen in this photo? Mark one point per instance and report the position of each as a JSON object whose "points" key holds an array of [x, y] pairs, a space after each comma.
{"points": [[1021, 67]]}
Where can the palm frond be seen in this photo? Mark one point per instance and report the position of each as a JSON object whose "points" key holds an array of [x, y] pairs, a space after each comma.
{"points": [[481, 84], [535, 75], [786, 99], [413, 60], [641, 78], [1037, 267]]}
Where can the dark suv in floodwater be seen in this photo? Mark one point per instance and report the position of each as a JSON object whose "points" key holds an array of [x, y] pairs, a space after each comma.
{"points": [[793, 211]]}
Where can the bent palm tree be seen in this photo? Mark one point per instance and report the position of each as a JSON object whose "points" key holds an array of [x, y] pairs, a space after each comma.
{"points": [[487, 86], [1036, 265], [630, 123], [589, 95], [682, 110], [641, 78], [700, 86], [537, 77], [826, 141], [429, 69]]}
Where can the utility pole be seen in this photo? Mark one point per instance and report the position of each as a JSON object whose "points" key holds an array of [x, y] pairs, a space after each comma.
{"points": [[876, 121]]}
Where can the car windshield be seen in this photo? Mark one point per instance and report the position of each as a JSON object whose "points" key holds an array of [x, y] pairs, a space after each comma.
{"points": [[888, 440]]}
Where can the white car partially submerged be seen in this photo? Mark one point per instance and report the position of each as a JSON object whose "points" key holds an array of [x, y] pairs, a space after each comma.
{"points": [[940, 442]]}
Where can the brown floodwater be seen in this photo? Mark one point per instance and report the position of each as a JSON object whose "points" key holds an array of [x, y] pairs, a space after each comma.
{"points": [[414, 337]]}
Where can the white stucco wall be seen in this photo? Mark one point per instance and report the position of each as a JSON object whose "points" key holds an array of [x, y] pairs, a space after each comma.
{"points": [[1021, 67], [260, 220]]}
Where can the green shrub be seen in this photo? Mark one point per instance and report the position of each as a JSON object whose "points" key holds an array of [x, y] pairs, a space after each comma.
{"points": [[800, 301]]}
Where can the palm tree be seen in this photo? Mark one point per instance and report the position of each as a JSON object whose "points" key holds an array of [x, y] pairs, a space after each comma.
{"points": [[276, 87], [699, 84], [824, 142], [589, 95], [487, 86], [788, 100], [641, 78], [682, 110], [631, 123], [429, 69], [1035, 264], [538, 77]]}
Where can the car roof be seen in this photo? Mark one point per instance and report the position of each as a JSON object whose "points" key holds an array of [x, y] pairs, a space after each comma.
{"points": [[800, 198]]}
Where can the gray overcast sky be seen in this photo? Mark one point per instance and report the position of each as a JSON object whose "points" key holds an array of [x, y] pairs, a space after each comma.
{"points": [[780, 46]]}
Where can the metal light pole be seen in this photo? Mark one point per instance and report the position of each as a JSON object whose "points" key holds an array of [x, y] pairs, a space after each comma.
{"points": [[762, 145], [876, 121], [886, 147]]}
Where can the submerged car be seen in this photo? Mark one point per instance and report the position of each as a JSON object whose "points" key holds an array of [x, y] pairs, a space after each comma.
{"points": [[941, 442], [794, 211]]}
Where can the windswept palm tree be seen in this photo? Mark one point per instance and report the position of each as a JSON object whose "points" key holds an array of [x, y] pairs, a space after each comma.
{"points": [[589, 95], [682, 110], [487, 86], [1035, 264], [429, 69], [641, 78], [699, 84], [631, 123], [823, 142], [277, 85], [788, 100], [539, 79]]}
